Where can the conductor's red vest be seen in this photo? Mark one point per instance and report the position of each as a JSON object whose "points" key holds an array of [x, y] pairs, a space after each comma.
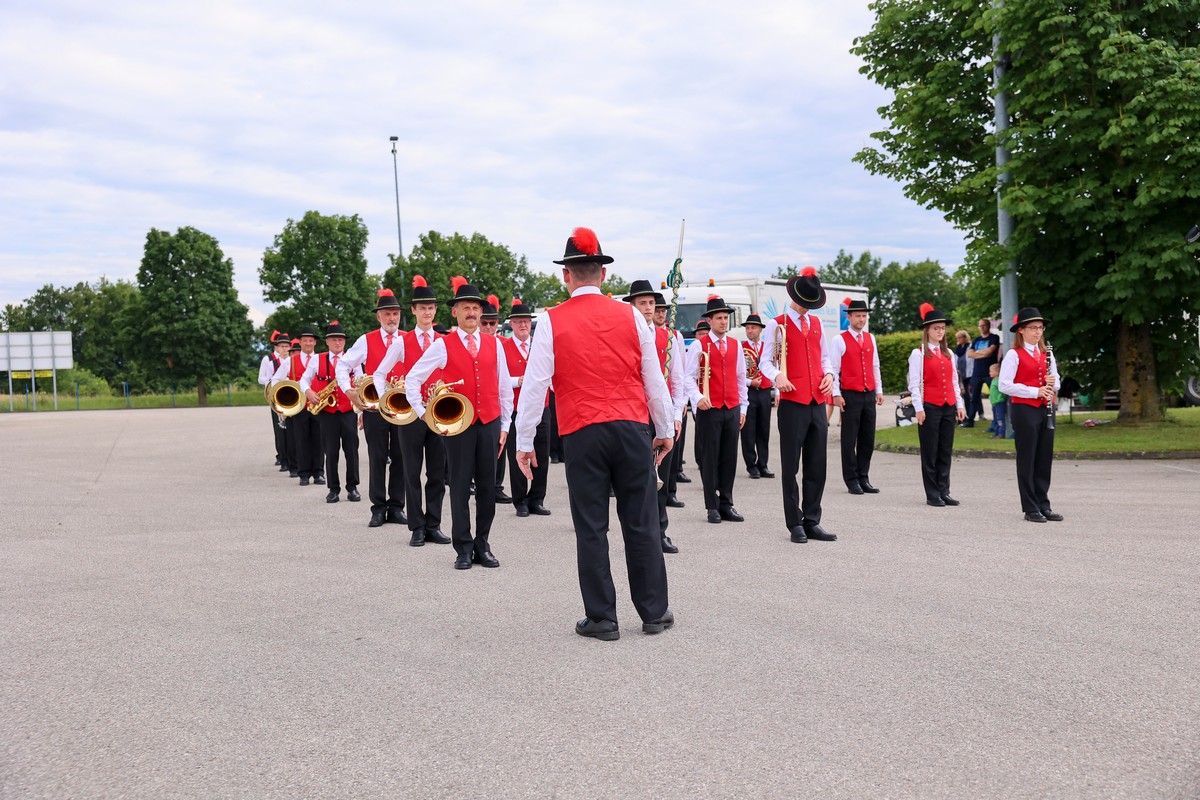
{"points": [[323, 378], [597, 363], [803, 361], [722, 382], [1031, 371], [938, 388], [858, 363], [480, 375], [412, 354]]}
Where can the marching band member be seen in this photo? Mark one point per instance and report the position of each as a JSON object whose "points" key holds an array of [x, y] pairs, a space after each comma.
{"points": [[386, 489], [857, 391], [601, 357], [722, 412], [756, 433], [1029, 376], [266, 371], [679, 365], [417, 440], [303, 426], [476, 360], [528, 497], [337, 422], [702, 328], [489, 323], [803, 393], [933, 384]]}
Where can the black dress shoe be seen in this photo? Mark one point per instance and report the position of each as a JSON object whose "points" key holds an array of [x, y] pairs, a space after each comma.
{"points": [[319, 480], [472, 488], [867, 487], [436, 536], [1035, 516], [611, 493], [377, 518], [293, 473], [539, 510], [798, 535], [603, 629], [763, 472], [486, 559], [396, 516], [730, 515], [967, 424], [669, 546], [522, 510], [353, 496], [950, 501], [283, 468], [753, 472], [658, 625], [1053, 516], [936, 502], [418, 538], [304, 481], [674, 502], [555, 460], [501, 497], [681, 478], [854, 488], [463, 561], [714, 515], [277, 461], [820, 534], [332, 497]]}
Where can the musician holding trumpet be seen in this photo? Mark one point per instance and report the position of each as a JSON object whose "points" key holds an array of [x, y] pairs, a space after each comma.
{"points": [[756, 433], [334, 415], [303, 426]]}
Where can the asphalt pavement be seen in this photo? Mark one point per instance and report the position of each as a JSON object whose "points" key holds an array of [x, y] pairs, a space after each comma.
{"points": [[181, 620]]}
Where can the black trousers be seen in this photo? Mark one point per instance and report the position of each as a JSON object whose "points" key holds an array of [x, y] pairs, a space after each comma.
{"points": [[1035, 455], [289, 441], [556, 442], [339, 435], [678, 451], [421, 445], [858, 435], [280, 436], [309, 452], [500, 465], [937, 447], [472, 457], [385, 488], [803, 433], [717, 428], [697, 443], [975, 392], [523, 492], [756, 433], [615, 454]]}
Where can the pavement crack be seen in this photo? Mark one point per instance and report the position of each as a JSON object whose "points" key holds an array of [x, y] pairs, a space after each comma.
{"points": [[108, 458]]}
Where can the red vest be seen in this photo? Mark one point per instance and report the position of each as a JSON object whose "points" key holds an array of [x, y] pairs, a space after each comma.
{"points": [[938, 388], [517, 365], [597, 363], [661, 338], [376, 350], [756, 349], [480, 376], [323, 378], [803, 361], [296, 371], [722, 381], [275, 362], [1031, 371], [412, 354], [858, 363]]}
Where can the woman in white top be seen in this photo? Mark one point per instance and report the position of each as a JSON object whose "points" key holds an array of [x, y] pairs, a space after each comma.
{"points": [[933, 383]]}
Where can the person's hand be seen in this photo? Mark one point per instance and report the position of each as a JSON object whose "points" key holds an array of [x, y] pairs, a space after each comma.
{"points": [[1046, 393], [352, 396], [920, 417], [526, 459], [311, 396], [520, 381], [661, 448], [360, 427], [878, 399], [678, 429], [742, 423], [826, 386], [961, 414], [756, 383], [839, 401], [705, 404], [784, 385], [503, 439]]}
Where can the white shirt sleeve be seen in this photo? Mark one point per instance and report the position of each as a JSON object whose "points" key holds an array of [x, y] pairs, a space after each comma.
{"points": [[506, 387], [394, 354], [679, 377], [740, 372], [265, 371], [310, 372], [875, 364], [767, 365], [693, 373], [915, 368], [837, 353], [538, 372], [434, 358], [958, 398], [1008, 376], [281, 374], [658, 397], [354, 357], [826, 367]]}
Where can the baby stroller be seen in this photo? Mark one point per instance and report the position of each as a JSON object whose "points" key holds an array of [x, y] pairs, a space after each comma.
{"points": [[905, 413]]}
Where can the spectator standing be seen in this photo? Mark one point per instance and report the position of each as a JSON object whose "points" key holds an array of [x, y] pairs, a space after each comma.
{"points": [[981, 355]]}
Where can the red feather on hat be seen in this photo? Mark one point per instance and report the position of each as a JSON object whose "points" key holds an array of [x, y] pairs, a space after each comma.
{"points": [[274, 334], [586, 241], [1015, 316], [925, 309], [846, 301], [714, 297], [457, 282], [419, 282], [335, 322], [386, 293], [516, 301], [495, 301], [809, 272]]}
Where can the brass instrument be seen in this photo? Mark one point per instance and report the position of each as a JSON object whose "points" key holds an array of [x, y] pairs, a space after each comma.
{"points": [[393, 404], [779, 348], [752, 370], [280, 419], [448, 413], [367, 396], [326, 398], [286, 398], [705, 371]]}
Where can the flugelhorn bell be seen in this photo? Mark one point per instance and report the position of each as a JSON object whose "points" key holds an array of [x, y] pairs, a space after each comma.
{"points": [[394, 406], [367, 396], [448, 413], [286, 398]]}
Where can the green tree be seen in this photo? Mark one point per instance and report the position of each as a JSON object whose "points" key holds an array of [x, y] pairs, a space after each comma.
{"points": [[845, 270], [191, 325], [316, 272], [897, 295], [1104, 112]]}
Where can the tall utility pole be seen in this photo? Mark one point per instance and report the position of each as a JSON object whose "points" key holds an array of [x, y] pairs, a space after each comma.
{"points": [[1008, 283], [399, 233]]}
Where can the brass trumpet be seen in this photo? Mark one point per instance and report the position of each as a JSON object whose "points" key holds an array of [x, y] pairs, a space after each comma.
{"points": [[286, 398], [752, 370], [394, 406], [367, 396], [326, 398], [779, 348], [705, 372], [448, 413]]}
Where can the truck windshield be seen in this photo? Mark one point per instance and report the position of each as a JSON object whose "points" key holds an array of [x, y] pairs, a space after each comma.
{"points": [[687, 317]]}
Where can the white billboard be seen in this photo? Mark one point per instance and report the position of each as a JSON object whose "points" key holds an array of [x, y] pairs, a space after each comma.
{"points": [[32, 350]]}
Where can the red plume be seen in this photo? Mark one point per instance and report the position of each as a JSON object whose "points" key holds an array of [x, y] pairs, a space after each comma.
{"points": [[586, 241], [1015, 318], [386, 293], [419, 282], [274, 334], [516, 301], [335, 322], [296, 342], [846, 302], [495, 301], [925, 309], [457, 282], [714, 297], [809, 272]]}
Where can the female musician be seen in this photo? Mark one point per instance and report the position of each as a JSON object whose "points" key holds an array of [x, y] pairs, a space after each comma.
{"points": [[1029, 376], [933, 382]]}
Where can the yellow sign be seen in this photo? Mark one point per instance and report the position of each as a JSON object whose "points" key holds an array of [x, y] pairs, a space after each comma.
{"points": [[41, 373]]}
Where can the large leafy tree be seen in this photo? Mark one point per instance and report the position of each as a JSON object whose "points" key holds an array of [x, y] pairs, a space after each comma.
{"points": [[1104, 113], [898, 293], [316, 271], [190, 324], [845, 269]]}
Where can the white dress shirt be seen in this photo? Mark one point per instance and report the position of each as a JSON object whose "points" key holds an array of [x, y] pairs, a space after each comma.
{"points": [[356, 356], [310, 372], [395, 354], [285, 366], [1008, 374], [435, 358], [682, 388], [916, 378], [768, 366], [540, 371], [739, 367], [266, 371], [837, 351], [528, 345]]}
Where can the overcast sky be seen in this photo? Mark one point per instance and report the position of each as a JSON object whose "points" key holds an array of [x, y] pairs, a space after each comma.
{"points": [[516, 120]]}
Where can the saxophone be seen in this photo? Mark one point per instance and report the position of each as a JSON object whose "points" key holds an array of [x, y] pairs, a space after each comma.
{"points": [[326, 398]]}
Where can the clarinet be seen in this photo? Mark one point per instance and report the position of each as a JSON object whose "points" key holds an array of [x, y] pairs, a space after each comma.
{"points": [[1051, 406]]}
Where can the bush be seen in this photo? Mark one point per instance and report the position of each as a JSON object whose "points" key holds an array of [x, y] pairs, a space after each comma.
{"points": [[90, 384], [893, 358]]}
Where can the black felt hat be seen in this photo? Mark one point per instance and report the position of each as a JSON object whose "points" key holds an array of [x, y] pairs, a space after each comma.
{"points": [[1024, 317], [583, 247], [660, 301], [715, 306], [855, 305], [491, 307], [278, 337], [639, 288], [930, 315], [520, 310], [386, 299], [440, 328], [805, 289], [295, 346], [754, 319], [308, 330], [335, 331], [421, 292], [464, 291], [703, 325]]}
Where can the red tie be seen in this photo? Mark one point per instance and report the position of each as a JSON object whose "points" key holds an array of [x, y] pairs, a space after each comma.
{"points": [[472, 348], [424, 341], [525, 350], [804, 325], [334, 367], [388, 341], [721, 346]]}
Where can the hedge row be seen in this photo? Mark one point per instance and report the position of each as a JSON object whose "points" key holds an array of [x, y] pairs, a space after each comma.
{"points": [[893, 357]]}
